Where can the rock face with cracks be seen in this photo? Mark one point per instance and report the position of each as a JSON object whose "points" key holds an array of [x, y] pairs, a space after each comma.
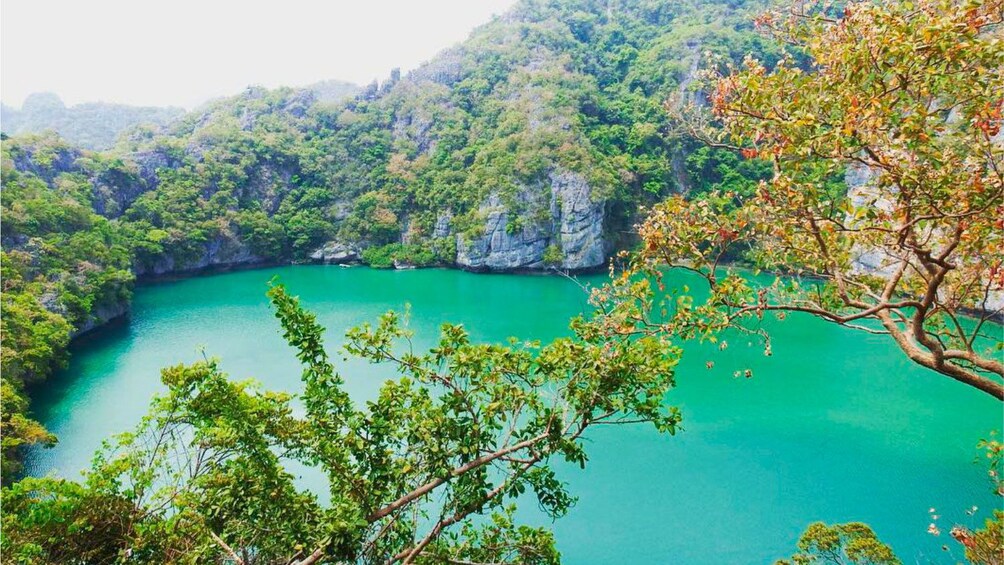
{"points": [[336, 253], [511, 240]]}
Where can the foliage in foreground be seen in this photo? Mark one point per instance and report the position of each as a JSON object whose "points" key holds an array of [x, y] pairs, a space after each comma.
{"points": [[464, 432], [905, 95], [853, 543]]}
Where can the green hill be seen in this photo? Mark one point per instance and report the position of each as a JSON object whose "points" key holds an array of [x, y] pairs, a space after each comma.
{"points": [[531, 145]]}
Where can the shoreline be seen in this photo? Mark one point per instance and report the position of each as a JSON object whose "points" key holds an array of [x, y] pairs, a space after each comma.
{"points": [[212, 270]]}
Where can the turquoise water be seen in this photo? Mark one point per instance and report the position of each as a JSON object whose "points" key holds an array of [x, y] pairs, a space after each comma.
{"points": [[835, 426]]}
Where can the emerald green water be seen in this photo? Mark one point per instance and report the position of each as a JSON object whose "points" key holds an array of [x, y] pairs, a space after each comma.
{"points": [[836, 426]]}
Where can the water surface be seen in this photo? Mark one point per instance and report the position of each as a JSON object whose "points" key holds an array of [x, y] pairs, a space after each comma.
{"points": [[835, 426]]}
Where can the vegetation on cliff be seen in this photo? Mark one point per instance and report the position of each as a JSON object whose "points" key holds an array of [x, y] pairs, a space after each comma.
{"points": [[61, 265], [401, 172]]}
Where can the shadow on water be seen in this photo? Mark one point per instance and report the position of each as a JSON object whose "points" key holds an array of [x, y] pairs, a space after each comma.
{"points": [[58, 385]]}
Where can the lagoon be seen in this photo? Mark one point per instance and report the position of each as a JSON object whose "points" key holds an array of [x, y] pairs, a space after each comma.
{"points": [[835, 426]]}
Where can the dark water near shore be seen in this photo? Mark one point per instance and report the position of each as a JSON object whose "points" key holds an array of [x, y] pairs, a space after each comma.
{"points": [[836, 426]]}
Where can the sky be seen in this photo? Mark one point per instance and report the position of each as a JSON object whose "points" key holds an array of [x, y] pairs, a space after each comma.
{"points": [[184, 52]]}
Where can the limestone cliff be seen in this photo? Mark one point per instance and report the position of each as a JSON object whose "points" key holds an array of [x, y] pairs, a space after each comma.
{"points": [[572, 222], [226, 249]]}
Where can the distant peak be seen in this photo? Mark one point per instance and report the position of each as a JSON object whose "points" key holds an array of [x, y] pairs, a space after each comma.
{"points": [[42, 101]]}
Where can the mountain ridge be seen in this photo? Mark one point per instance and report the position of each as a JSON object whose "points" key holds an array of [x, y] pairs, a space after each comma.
{"points": [[91, 125]]}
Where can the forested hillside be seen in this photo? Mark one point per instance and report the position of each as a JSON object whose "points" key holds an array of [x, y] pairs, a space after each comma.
{"points": [[531, 145]]}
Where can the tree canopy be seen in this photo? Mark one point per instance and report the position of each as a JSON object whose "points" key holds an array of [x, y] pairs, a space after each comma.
{"points": [[903, 99], [466, 430]]}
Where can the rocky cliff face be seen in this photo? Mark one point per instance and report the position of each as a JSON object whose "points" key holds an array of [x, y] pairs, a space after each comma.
{"points": [[869, 261], [336, 253], [224, 250], [580, 237], [504, 247], [45, 164], [115, 189], [572, 222], [100, 316], [115, 186]]}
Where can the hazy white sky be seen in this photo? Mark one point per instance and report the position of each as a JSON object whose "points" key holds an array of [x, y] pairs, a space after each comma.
{"points": [[182, 52]]}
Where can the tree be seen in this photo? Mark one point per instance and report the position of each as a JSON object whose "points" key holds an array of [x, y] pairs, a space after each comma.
{"points": [[853, 543], [465, 431], [986, 546], [905, 96]]}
